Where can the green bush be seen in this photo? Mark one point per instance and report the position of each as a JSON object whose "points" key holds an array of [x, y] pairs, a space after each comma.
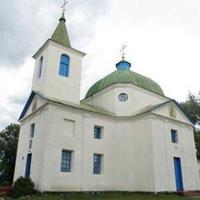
{"points": [[23, 187]]}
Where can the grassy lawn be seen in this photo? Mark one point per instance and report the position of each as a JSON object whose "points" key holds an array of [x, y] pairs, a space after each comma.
{"points": [[108, 196]]}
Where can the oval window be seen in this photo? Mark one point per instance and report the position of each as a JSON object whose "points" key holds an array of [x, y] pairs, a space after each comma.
{"points": [[123, 97]]}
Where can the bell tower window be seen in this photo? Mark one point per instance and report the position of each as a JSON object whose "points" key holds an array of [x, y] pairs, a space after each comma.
{"points": [[64, 66], [40, 67]]}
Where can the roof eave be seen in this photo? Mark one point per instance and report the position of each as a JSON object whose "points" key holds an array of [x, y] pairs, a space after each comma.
{"points": [[32, 95], [40, 49], [28, 102], [50, 40], [184, 112]]}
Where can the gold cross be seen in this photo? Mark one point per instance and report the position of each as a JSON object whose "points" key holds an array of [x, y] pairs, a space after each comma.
{"points": [[63, 7], [124, 46]]}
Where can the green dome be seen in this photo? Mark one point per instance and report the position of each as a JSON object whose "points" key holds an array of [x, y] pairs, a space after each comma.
{"points": [[125, 76]]}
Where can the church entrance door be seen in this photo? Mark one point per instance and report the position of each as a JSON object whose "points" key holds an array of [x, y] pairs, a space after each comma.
{"points": [[178, 174], [28, 165]]}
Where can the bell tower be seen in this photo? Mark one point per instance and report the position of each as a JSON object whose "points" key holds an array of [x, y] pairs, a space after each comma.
{"points": [[57, 72]]}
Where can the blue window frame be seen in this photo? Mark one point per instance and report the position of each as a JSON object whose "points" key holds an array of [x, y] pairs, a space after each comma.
{"points": [[40, 67], [32, 132], [66, 162], [64, 65], [97, 164], [174, 136], [98, 132]]}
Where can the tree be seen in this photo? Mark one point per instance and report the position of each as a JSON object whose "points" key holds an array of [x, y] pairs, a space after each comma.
{"points": [[8, 149], [192, 107], [197, 143]]}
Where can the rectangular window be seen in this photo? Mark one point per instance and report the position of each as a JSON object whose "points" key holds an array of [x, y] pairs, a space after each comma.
{"points": [[97, 163], [66, 162], [30, 144], [98, 132], [40, 67], [174, 136], [68, 127], [32, 132]]}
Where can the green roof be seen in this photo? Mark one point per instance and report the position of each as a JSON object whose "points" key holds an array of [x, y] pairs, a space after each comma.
{"points": [[61, 35], [125, 76]]}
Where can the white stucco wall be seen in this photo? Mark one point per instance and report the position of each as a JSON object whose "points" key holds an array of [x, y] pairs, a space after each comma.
{"points": [[132, 172], [58, 139], [122, 167], [51, 82], [164, 151], [37, 149], [83, 146], [105, 146], [137, 152], [138, 99], [165, 111]]}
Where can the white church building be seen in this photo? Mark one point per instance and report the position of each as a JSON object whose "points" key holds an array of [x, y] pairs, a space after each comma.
{"points": [[125, 135]]}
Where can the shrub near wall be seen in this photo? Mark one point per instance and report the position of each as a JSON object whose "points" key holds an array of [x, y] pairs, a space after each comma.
{"points": [[23, 187]]}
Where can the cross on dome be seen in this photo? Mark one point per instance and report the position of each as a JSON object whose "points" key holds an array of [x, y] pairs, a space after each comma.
{"points": [[124, 46], [123, 65]]}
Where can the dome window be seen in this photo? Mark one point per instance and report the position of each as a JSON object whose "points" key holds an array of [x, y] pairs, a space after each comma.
{"points": [[123, 97]]}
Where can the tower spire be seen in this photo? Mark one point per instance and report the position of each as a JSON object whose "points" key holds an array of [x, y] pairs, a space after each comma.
{"points": [[60, 35]]}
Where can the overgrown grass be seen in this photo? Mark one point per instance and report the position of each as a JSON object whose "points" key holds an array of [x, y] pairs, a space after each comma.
{"points": [[107, 196]]}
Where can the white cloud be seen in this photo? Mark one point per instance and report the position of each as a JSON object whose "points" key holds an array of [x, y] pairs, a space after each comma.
{"points": [[15, 87]]}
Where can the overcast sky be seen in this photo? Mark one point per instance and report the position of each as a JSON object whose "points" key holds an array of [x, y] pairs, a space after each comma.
{"points": [[163, 39]]}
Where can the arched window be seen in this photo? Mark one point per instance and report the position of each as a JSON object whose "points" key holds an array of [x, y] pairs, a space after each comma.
{"points": [[64, 66], [40, 67]]}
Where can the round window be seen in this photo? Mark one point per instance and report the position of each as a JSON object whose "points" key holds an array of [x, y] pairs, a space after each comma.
{"points": [[123, 97]]}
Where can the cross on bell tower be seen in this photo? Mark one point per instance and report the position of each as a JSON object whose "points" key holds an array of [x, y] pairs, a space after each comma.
{"points": [[63, 7]]}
